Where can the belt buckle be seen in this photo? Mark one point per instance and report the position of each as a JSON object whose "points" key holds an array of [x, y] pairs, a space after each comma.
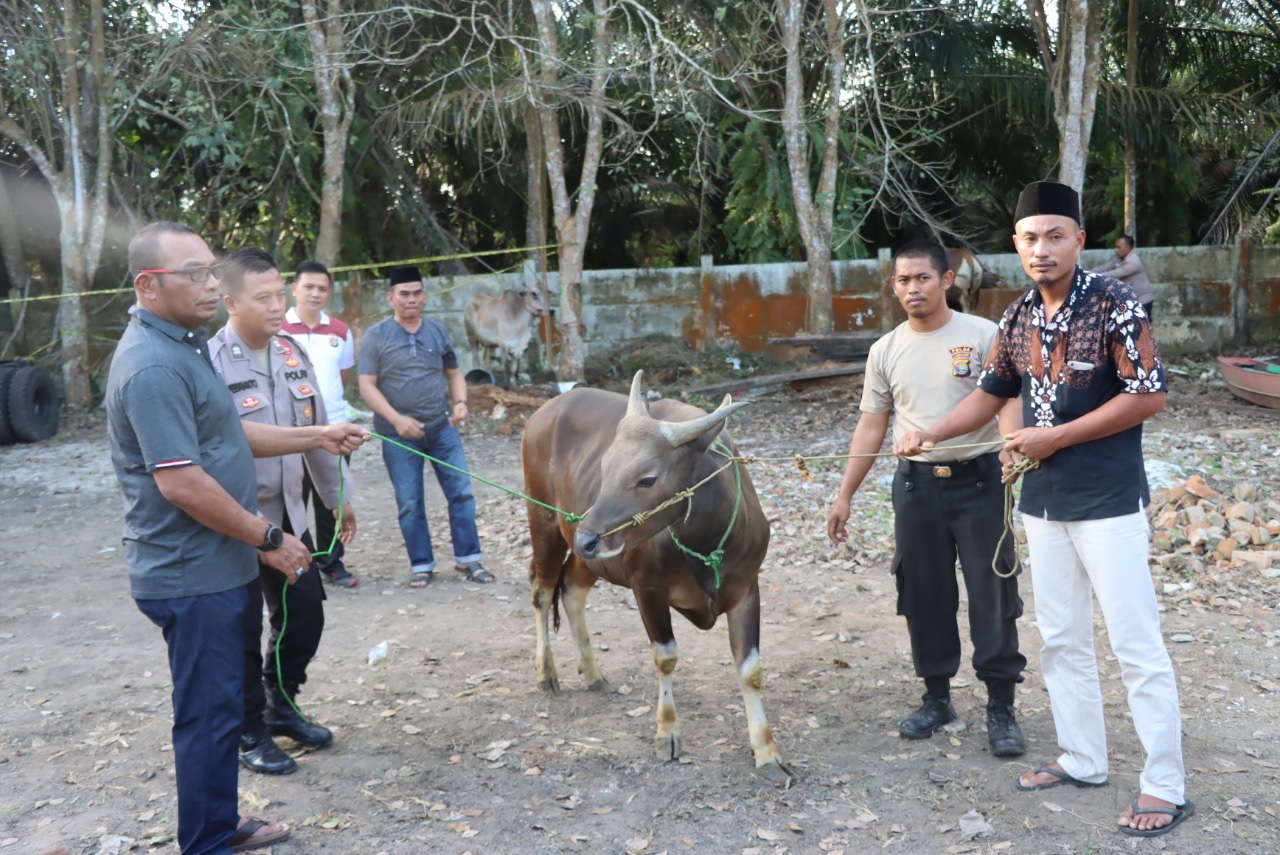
{"points": [[942, 472]]}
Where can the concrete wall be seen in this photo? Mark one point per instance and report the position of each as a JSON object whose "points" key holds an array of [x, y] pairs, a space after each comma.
{"points": [[1206, 298]]}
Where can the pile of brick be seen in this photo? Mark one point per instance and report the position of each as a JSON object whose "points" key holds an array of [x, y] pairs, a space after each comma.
{"points": [[1195, 526]]}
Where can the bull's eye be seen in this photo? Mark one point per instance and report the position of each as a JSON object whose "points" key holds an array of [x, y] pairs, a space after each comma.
{"points": [[646, 483]]}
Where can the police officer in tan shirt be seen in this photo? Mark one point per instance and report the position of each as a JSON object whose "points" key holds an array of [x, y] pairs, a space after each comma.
{"points": [[947, 502], [272, 381]]}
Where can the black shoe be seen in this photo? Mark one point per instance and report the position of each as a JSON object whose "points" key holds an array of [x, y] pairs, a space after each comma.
{"points": [[283, 720], [259, 753], [1003, 733], [932, 715]]}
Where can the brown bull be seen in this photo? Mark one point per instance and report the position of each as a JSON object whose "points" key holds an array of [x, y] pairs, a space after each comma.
{"points": [[963, 293], [600, 450], [499, 328]]}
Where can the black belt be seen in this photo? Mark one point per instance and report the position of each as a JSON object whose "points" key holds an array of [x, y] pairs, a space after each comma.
{"points": [[947, 468]]}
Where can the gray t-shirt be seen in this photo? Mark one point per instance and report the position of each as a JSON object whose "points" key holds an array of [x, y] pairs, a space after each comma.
{"points": [[921, 377], [166, 407], [410, 369]]}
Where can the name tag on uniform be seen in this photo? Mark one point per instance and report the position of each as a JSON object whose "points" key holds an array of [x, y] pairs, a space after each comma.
{"points": [[1080, 366]]}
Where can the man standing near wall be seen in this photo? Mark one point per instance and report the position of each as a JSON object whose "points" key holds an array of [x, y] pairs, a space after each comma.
{"points": [[1080, 352], [332, 349], [1127, 267], [409, 376], [185, 465]]}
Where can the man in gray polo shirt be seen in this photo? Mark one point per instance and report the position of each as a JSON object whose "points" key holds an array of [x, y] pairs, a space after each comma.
{"points": [[408, 374], [185, 467]]}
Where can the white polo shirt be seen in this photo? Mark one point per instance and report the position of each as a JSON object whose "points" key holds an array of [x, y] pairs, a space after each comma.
{"points": [[332, 350]]}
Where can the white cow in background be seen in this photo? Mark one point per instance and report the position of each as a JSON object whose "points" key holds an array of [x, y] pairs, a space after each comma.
{"points": [[963, 293], [498, 328]]}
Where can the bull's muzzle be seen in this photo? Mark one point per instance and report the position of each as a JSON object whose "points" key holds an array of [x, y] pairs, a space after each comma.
{"points": [[586, 544]]}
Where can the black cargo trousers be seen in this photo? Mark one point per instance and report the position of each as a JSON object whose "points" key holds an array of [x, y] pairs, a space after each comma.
{"points": [[943, 511]]}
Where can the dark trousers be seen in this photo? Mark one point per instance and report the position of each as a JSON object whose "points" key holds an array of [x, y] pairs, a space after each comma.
{"points": [[326, 524], [297, 621], [937, 519], [205, 637]]}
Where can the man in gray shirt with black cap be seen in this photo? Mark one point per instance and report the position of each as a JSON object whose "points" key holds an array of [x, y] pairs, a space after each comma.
{"points": [[410, 378]]}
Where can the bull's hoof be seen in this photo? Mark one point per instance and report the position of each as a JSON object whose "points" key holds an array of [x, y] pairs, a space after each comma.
{"points": [[667, 747], [777, 773], [601, 685], [551, 684]]}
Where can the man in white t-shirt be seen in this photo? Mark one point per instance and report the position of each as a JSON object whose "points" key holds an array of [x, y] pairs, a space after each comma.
{"points": [[947, 502], [332, 349]]}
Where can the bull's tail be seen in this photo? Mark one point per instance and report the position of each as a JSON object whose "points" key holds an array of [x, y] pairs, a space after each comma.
{"points": [[555, 595]]}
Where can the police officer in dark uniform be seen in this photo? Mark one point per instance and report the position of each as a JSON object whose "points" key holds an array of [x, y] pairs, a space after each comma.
{"points": [[272, 381]]}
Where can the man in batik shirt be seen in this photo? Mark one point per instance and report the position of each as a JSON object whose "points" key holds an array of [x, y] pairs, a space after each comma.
{"points": [[1080, 351]]}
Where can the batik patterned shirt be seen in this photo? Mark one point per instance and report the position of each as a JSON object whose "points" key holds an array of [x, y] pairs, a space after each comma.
{"points": [[1098, 345]]}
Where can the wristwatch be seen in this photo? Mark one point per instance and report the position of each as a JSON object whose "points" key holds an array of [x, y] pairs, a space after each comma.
{"points": [[273, 539]]}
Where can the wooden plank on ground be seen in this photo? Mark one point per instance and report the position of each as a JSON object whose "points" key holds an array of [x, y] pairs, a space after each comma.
{"points": [[848, 345], [760, 380]]}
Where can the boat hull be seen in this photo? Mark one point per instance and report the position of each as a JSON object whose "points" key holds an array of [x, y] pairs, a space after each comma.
{"points": [[1246, 382]]}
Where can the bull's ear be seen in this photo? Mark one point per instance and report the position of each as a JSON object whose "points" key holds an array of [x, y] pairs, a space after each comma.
{"points": [[638, 404], [682, 433]]}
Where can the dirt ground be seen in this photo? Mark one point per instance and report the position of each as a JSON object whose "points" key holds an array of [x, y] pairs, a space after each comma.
{"points": [[447, 746]]}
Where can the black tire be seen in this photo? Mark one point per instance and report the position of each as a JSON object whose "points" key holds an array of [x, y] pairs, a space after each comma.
{"points": [[6, 372], [32, 404]]}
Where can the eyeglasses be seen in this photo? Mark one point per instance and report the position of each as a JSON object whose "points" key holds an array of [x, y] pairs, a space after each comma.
{"points": [[413, 344], [195, 275]]}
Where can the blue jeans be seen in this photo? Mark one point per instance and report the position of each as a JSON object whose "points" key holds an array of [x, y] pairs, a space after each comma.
{"points": [[406, 468], [205, 637]]}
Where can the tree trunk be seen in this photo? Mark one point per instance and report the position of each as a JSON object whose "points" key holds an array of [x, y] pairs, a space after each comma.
{"points": [[72, 317], [1130, 144], [334, 91], [1073, 79], [572, 221], [814, 216]]}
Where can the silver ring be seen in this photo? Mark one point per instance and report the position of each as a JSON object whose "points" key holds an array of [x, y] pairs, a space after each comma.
{"points": [[300, 570]]}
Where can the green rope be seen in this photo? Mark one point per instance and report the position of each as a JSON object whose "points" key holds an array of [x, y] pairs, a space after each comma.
{"points": [[716, 557], [569, 517]]}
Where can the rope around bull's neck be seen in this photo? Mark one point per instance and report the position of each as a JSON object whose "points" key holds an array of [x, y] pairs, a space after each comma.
{"points": [[716, 557]]}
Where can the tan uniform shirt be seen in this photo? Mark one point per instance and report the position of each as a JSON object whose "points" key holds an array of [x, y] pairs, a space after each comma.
{"points": [[281, 393], [921, 377]]}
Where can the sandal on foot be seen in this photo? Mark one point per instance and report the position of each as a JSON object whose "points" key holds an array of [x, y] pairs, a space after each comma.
{"points": [[421, 578], [1178, 814], [341, 577], [243, 840], [475, 572], [1063, 778]]}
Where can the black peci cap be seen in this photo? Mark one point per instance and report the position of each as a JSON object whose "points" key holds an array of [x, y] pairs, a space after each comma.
{"points": [[1048, 197], [408, 273]]}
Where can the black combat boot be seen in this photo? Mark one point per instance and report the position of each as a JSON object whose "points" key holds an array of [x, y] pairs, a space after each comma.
{"points": [[933, 713], [260, 753], [284, 720], [1003, 733]]}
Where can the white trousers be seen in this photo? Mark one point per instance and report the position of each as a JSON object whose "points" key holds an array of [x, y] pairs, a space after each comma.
{"points": [[1070, 562]]}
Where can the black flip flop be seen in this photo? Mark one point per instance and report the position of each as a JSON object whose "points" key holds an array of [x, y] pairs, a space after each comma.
{"points": [[475, 572], [244, 841], [1179, 814], [1063, 778]]}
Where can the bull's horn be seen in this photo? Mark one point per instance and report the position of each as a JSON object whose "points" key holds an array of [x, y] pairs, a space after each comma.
{"points": [[680, 433], [638, 405]]}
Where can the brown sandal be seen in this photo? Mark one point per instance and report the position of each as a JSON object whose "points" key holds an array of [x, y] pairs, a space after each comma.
{"points": [[243, 840]]}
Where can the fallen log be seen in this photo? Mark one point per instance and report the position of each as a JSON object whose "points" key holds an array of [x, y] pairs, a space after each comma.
{"points": [[757, 381], [837, 346]]}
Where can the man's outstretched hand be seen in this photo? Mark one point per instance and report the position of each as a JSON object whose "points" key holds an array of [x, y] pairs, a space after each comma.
{"points": [[343, 438]]}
